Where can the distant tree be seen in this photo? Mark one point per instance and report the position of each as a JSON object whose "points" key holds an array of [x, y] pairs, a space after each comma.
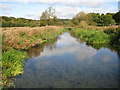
{"points": [[96, 18], [106, 20], [103, 19], [18, 22], [82, 17], [48, 17], [117, 17]]}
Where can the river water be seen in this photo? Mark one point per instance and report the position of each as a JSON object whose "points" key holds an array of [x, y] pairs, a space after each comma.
{"points": [[69, 63]]}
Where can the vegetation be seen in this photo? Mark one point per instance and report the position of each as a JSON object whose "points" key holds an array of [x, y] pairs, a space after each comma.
{"points": [[83, 20], [8, 68], [115, 37], [17, 38], [24, 38], [117, 17], [48, 17], [18, 22], [99, 39], [15, 41]]}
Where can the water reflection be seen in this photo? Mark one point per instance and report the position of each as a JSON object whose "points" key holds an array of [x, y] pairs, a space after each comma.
{"points": [[67, 63], [35, 51]]}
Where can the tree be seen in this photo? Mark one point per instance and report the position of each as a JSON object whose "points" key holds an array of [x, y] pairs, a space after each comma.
{"points": [[117, 17], [18, 22], [48, 17], [106, 20], [81, 18], [96, 18], [103, 19]]}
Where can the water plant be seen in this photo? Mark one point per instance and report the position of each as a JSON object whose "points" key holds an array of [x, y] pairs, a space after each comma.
{"points": [[12, 65]]}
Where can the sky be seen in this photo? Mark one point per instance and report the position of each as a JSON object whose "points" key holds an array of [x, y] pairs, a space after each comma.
{"points": [[65, 9]]}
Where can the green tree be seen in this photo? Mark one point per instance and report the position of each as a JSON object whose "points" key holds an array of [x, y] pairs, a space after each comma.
{"points": [[48, 17], [82, 18], [106, 20], [117, 17]]}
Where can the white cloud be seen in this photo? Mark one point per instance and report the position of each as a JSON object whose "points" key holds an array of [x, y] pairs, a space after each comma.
{"points": [[99, 10], [65, 9], [67, 12], [31, 15], [70, 12], [5, 6], [59, 1], [91, 3]]}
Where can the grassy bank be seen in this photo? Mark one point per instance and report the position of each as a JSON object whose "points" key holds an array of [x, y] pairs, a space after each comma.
{"points": [[15, 41], [99, 38], [25, 37]]}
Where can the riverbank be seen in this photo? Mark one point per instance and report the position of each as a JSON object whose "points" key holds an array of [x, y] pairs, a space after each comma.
{"points": [[15, 42], [23, 38], [99, 38]]}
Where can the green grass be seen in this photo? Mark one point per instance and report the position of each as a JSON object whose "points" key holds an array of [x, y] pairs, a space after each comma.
{"points": [[97, 38]]}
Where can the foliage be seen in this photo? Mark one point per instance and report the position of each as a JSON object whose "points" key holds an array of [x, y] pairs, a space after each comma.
{"points": [[117, 17], [94, 19], [80, 17], [115, 37], [92, 36], [18, 22], [48, 17], [99, 39], [12, 65]]}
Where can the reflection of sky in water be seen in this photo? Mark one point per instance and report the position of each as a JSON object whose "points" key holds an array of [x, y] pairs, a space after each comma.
{"points": [[70, 64]]}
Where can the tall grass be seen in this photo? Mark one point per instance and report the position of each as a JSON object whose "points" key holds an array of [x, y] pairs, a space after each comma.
{"points": [[23, 38]]}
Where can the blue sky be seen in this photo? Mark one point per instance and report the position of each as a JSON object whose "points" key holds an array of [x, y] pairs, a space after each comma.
{"points": [[32, 9]]}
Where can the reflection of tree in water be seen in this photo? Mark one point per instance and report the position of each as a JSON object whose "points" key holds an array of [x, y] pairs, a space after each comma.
{"points": [[35, 51], [112, 47]]}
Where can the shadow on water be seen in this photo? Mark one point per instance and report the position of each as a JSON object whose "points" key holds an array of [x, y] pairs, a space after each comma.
{"points": [[69, 63], [35, 51]]}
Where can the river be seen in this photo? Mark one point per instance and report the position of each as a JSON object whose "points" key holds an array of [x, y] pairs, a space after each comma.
{"points": [[69, 63]]}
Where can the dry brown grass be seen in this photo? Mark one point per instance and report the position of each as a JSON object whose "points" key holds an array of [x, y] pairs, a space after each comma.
{"points": [[102, 27], [22, 37]]}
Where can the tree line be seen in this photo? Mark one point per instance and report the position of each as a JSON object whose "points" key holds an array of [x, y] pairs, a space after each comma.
{"points": [[48, 17], [18, 22]]}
